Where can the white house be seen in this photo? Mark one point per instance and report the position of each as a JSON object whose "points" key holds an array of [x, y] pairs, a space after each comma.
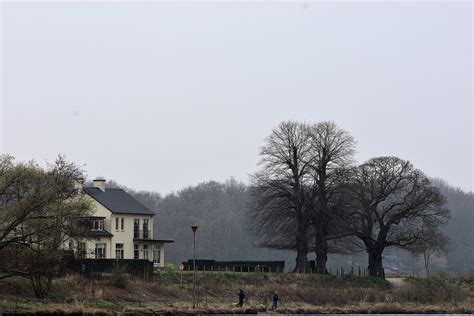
{"points": [[122, 227]]}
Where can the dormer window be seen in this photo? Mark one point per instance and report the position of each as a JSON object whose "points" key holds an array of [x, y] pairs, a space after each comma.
{"points": [[98, 224]]}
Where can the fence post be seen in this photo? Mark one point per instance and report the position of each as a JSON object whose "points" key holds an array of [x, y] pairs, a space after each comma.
{"points": [[352, 270], [359, 271]]}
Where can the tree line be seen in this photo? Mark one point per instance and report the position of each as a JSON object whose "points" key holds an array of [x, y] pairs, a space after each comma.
{"points": [[308, 195], [222, 209]]}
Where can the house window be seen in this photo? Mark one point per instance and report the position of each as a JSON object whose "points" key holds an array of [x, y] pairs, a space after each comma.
{"points": [[118, 251], [116, 223], [145, 252], [98, 224], [145, 228], [81, 250], [122, 220], [100, 251], [136, 228], [156, 253], [136, 253]]}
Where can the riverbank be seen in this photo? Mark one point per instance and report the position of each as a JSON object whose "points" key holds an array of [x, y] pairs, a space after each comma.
{"points": [[172, 293]]}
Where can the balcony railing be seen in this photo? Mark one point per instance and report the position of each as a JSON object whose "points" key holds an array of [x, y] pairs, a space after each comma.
{"points": [[141, 234]]}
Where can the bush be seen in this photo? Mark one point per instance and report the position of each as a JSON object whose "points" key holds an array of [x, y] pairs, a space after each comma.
{"points": [[169, 275], [170, 268], [120, 277]]}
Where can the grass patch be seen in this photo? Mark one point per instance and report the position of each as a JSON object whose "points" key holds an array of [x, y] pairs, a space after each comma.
{"points": [[258, 278], [433, 290], [108, 305], [331, 281]]}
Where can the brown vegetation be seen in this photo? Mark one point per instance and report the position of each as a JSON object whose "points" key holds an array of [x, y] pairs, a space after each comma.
{"points": [[217, 293]]}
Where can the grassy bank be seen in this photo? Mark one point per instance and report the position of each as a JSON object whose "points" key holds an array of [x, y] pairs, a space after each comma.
{"points": [[217, 292]]}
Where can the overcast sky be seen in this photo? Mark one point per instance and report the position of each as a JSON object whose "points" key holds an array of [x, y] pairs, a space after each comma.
{"points": [[159, 96]]}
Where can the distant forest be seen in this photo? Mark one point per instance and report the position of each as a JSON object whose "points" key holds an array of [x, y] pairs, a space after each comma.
{"points": [[221, 212]]}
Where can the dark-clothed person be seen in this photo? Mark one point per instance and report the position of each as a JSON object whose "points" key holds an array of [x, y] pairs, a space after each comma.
{"points": [[275, 299], [241, 298]]}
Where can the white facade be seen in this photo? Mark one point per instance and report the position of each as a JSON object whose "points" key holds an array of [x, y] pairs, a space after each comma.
{"points": [[120, 235]]}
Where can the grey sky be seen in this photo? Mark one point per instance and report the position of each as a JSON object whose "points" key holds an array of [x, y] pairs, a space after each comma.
{"points": [[159, 95]]}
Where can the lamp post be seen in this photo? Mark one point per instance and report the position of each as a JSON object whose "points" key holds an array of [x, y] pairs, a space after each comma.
{"points": [[194, 228]]}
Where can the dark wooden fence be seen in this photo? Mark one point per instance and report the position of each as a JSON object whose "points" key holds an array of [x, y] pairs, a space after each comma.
{"points": [[235, 266]]}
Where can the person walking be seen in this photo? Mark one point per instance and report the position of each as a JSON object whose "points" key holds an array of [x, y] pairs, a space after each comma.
{"points": [[275, 299], [241, 297]]}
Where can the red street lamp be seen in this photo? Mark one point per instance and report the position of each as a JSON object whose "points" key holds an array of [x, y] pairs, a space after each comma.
{"points": [[194, 228]]}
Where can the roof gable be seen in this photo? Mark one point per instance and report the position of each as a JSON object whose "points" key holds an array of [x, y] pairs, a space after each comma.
{"points": [[118, 201]]}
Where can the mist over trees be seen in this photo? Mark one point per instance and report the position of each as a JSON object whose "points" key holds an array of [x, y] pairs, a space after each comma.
{"points": [[309, 197], [459, 229], [178, 211], [220, 210]]}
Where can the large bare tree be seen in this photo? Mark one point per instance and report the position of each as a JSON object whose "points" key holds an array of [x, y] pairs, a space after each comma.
{"points": [[278, 189], [391, 203], [332, 150]]}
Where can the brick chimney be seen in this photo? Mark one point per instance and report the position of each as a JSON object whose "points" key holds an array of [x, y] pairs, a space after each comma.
{"points": [[100, 184]]}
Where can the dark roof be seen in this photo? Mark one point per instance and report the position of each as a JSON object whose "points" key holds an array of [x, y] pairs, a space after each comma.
{"points": [[101, 233], [154, 240], [118, 201], [92, 217]]}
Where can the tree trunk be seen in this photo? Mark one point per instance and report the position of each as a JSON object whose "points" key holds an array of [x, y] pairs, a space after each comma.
{"points": [[41, 286], [301, 249], [321, 246], [321, 260], [375, 263], [426, 257], [37, 284]]}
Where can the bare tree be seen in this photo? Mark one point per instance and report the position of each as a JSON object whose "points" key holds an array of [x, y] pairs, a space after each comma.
{"points": [[22, 199], [45, 219], [431, 242], [277, 190], [391, 203], [332, 151]]}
